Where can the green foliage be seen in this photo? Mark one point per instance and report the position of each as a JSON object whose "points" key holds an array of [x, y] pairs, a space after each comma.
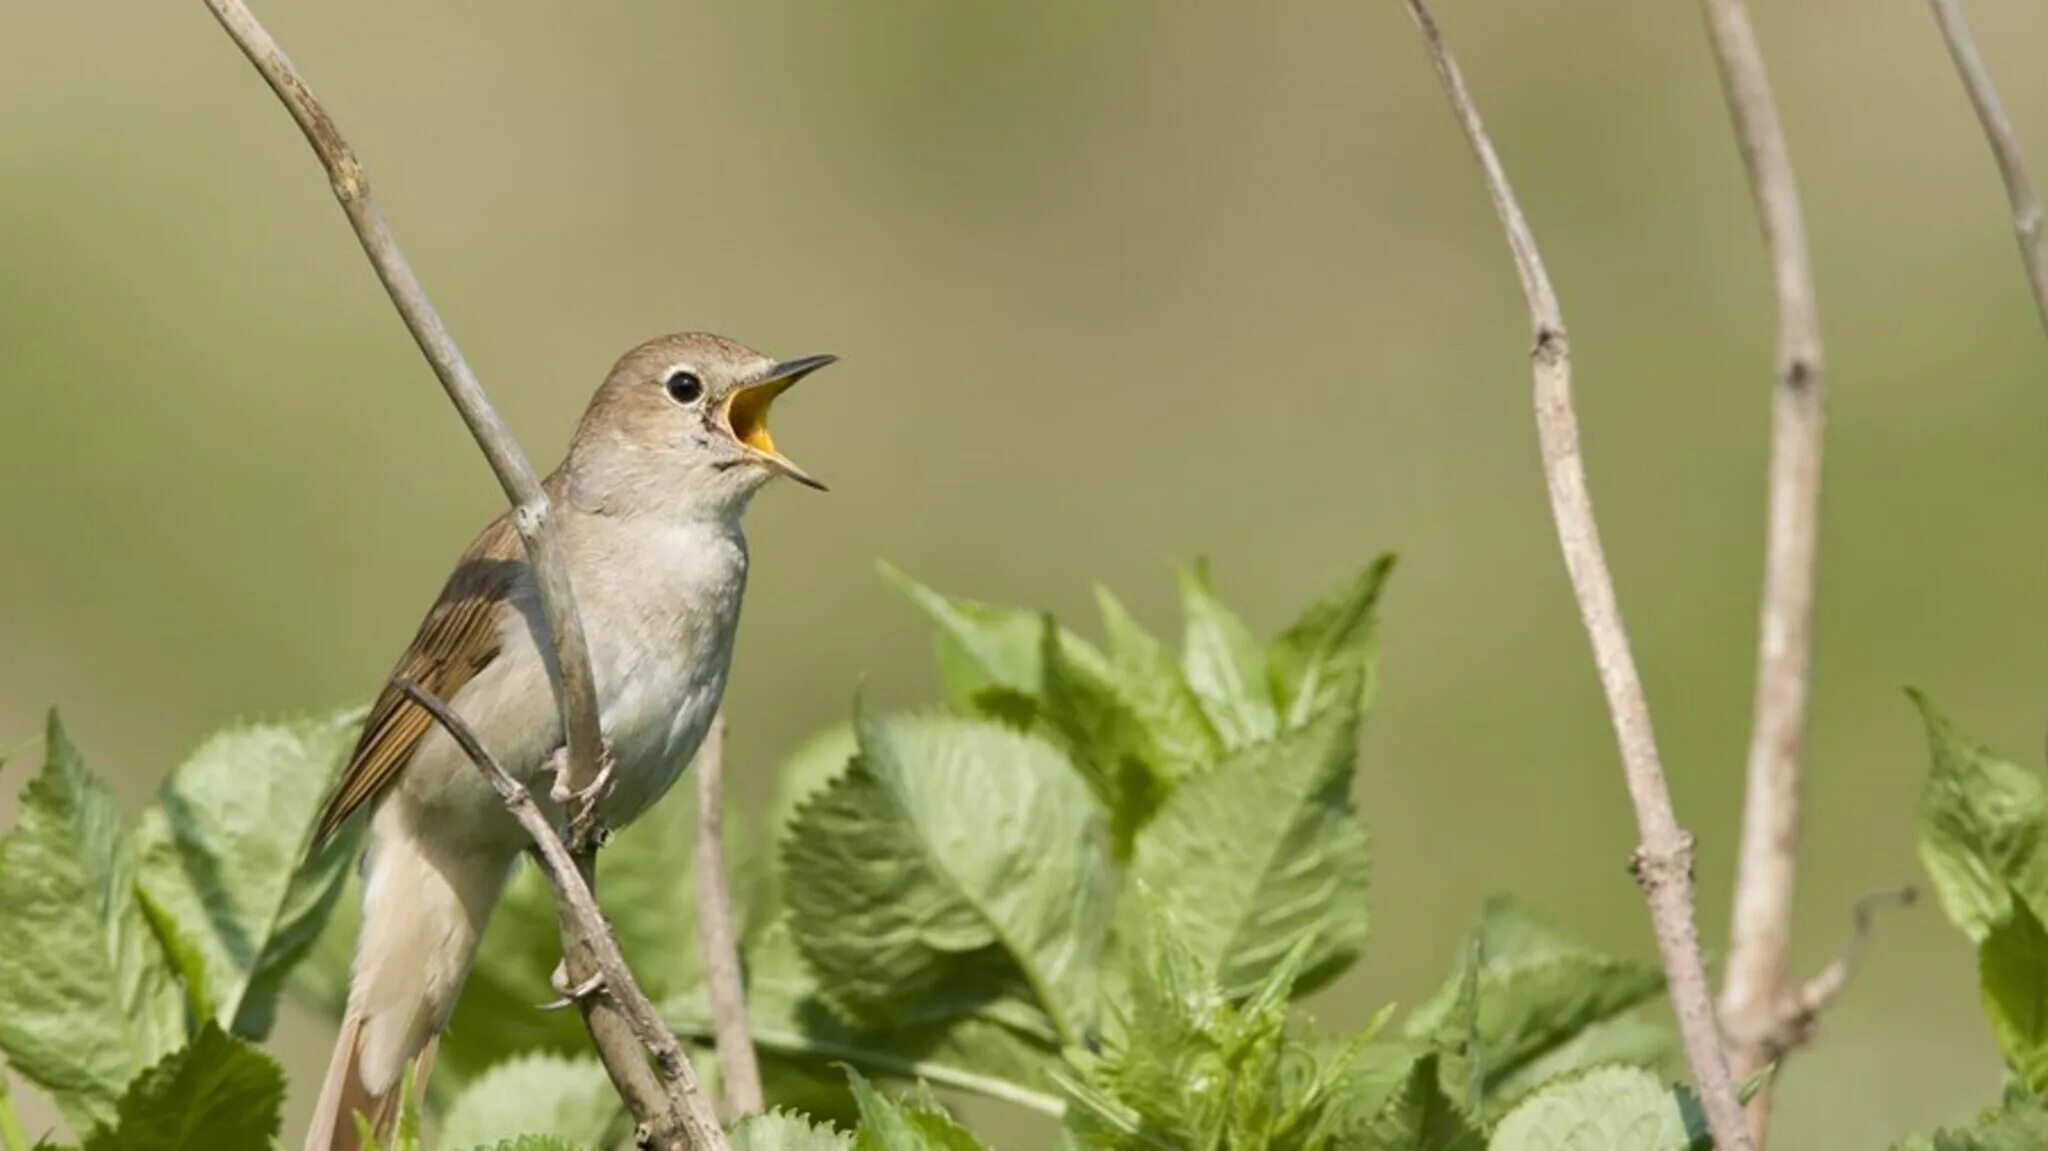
{"points": [[1526, 1005], [87, 998], [955, 862], [2021, 1125], [1606, 1109], [216, 1093], [1094, 887], [570, 1099], [220, 853], [1262, 853]]}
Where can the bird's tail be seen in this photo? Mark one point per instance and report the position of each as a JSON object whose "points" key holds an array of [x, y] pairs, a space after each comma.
{"points": [[424, 908]]}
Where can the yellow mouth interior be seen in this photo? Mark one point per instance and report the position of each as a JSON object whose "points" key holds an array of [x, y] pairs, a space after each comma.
{"points": [[747, 414]]}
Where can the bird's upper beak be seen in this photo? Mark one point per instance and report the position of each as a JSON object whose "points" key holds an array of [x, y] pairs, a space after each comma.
{"points": [[746, 413]]}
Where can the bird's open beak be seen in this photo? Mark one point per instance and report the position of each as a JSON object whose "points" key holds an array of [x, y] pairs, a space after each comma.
{"points": [[746, 414]]}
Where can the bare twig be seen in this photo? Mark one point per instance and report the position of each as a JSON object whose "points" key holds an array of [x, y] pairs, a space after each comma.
{"points": [[1663, 861], [2005, 148], [576, 692], [1766, 873], [671, 1110], [614, 1020], [1797, 1018], [738, 1069]]}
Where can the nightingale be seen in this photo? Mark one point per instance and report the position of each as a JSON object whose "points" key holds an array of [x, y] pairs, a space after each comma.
{"points": [[648, 504]]}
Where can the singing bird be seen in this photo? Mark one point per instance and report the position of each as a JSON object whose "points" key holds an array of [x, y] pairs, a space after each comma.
{"points": [[648, 505]]}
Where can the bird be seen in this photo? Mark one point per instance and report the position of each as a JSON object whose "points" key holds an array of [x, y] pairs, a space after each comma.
{"points": [[648, 504]]}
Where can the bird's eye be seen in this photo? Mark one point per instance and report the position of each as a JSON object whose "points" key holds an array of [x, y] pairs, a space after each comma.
{"points": [[685, 387]]}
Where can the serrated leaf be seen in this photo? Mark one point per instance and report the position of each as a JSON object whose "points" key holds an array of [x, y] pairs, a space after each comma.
{"points": [[1529, 998], [222, 850], [1263, 852], [981, 647], [1983, 829], [1224, 665], [93, 1002], [1606, 1109], [215, 1094], [571, 1099], [1331, 651], [2021, 1125], [782, 1131], [1103, 737], [533, 1143], [913, 1123], [1421, 1117], [183, 954], [1149, 678], [2012, 966], [951, 850]]}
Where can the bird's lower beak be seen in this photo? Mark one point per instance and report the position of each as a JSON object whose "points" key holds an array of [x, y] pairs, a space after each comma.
{"points": [[746, 414]]}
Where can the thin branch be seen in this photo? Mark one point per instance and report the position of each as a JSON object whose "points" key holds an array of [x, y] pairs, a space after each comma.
{"points": [[739, 1071], [2005, 148], [1760, 946], [1799, 1016], [1663, 861], [575, 690], [672, 1112]]}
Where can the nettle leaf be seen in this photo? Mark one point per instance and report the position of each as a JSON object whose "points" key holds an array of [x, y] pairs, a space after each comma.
{"points": [[803, 773], [1262, 853], [1224, 665], [222, 851], [914, 1123], [1606, 1109], [570, 1099], [1332, 651], [1527, 1004], [982, 648], [782, 1131], [1150, 681], [1983, 829], [219, 1092], [2012, 965], [1104, 738], [952, 852], [93, 1001], [2021, 1125], [1421, 1117]]}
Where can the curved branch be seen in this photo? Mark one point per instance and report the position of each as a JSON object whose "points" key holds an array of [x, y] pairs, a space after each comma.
{"points": [[1663, 861], [575, 690], [2005, 148]]}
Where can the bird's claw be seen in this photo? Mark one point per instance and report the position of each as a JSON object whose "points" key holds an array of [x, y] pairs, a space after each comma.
{"points": [[571, 993], [589, 796]]}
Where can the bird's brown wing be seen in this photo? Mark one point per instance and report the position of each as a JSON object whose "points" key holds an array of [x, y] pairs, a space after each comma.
{"points": [[459, 638]]}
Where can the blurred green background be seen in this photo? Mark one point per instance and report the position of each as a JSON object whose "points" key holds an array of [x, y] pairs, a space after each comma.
{"points": [[1115, 284]]}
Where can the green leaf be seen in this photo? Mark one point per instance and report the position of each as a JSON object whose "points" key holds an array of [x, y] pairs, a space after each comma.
{"points": [[222, 851], [1104, 738], [913, 1123], [1224, 665], [952, 1043], [570, 1099], [1537, 1005], [2012, 966], [2021, 1125], [184, 955], [533, 1143], [1261, 853], [957, 853], [1332, 651], [1149, 679], [216, 1094], [982, 648], [1983, 829], [1606, 1109], [1421, 1117], [93, 1001], [782, 1131]]}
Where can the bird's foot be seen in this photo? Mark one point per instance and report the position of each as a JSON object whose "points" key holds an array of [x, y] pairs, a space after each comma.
{"points": [[571, 993], [586, 797]]}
